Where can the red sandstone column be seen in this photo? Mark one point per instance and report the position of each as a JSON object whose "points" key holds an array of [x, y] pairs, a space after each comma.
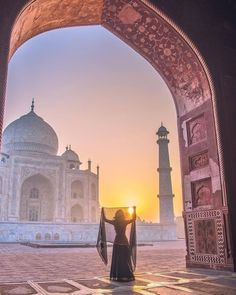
{"points": [[8, 13], [3, 81], [5, 32]]}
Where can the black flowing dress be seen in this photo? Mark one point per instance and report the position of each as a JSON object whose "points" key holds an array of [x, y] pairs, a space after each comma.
{"points": [[121, 266]]}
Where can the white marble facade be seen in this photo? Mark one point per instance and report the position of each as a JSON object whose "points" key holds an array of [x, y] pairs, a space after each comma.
{"points": [[74, 232], [36, 184]]}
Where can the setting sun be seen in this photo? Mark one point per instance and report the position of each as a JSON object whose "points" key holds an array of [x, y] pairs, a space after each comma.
{"points": [[131, 210]]}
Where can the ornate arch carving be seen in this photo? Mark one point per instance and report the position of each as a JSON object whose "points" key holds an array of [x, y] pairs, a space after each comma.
{"points": [[158, 42]]}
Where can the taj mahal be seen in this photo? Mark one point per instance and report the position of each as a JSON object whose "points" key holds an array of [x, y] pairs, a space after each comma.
{"points": [[39, 185], [46, 196]]}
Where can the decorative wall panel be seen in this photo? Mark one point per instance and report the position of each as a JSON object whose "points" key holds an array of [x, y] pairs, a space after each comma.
{"points": [[202, 225], [196, 130], [199, 161], [202, 193], [205, 236]]}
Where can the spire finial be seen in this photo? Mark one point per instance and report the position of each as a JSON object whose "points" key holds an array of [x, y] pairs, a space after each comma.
{"points": [[89, 164], [67, 148], [32, 105], [161, 123]]}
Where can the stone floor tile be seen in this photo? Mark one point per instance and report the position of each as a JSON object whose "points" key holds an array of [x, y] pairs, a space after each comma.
{"points": [[156, 278], [17, 289], [96, 284], [228, 282], [170, 291], [186, 275], [68, 271], [209, 288], [124, 292], [58, 287]]}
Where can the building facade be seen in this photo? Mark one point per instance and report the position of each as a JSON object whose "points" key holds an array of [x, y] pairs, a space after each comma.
{"points": [[36, 184]]}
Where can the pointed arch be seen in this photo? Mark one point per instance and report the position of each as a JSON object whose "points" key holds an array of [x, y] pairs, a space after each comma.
{"points": [[154, 36], [77, 189], [37, 199]]}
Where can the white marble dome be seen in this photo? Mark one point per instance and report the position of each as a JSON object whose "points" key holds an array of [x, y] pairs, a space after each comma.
{"points": [[30, 133], [70, 155]]}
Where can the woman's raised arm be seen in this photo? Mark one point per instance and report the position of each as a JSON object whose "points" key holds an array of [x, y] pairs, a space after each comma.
{"points": [[132, 219], [105, 219]]}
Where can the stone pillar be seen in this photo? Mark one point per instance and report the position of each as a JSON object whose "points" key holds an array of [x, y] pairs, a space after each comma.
{"points": [[165, 186]]}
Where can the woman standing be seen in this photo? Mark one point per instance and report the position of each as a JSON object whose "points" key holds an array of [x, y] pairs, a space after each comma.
{"points": [[124, 249]]}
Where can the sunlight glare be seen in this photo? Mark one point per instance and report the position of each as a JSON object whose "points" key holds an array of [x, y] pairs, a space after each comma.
{"points": [[131, 210]]}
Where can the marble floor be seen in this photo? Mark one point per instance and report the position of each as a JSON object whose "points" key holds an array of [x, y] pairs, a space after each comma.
{"points": [[20, 263], [183, 282], [160, 270]]}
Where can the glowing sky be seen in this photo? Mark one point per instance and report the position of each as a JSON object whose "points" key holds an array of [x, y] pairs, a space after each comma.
{"points": [[105, 100]]}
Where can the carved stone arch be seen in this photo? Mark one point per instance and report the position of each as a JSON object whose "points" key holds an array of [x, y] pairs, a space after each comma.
{"points": [[40, 208], [47, 237], [38, 237], [38, 16], [77, 189], [148, 31], [27, 172]]}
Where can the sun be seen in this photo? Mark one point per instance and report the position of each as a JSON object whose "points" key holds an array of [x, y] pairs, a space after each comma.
{"points": [[131, 210]]}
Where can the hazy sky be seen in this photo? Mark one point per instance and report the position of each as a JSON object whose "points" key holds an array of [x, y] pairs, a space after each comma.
{"points": [[105, 100]]}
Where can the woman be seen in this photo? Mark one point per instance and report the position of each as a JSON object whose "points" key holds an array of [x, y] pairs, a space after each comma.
{"points": [[124, 251]]}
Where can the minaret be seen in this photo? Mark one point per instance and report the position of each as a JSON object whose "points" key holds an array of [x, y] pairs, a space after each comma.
{"points": [[165, 186]]}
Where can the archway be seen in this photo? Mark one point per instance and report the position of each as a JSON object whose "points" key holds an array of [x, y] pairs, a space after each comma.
{"points": [[160, 42], [37, 200], [77, 190]]}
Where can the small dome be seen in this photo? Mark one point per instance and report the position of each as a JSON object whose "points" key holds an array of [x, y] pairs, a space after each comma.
{"points": [[70, 155], [162, 130], [30, 133]]}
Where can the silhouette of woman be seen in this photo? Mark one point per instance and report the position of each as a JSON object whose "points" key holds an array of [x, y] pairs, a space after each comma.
{"points": [[124, 251]]}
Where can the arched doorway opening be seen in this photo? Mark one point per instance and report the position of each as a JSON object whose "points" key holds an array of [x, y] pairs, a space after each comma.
{"points": [[37, 199], [160, 42], [77, 190], [77, 195]]}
